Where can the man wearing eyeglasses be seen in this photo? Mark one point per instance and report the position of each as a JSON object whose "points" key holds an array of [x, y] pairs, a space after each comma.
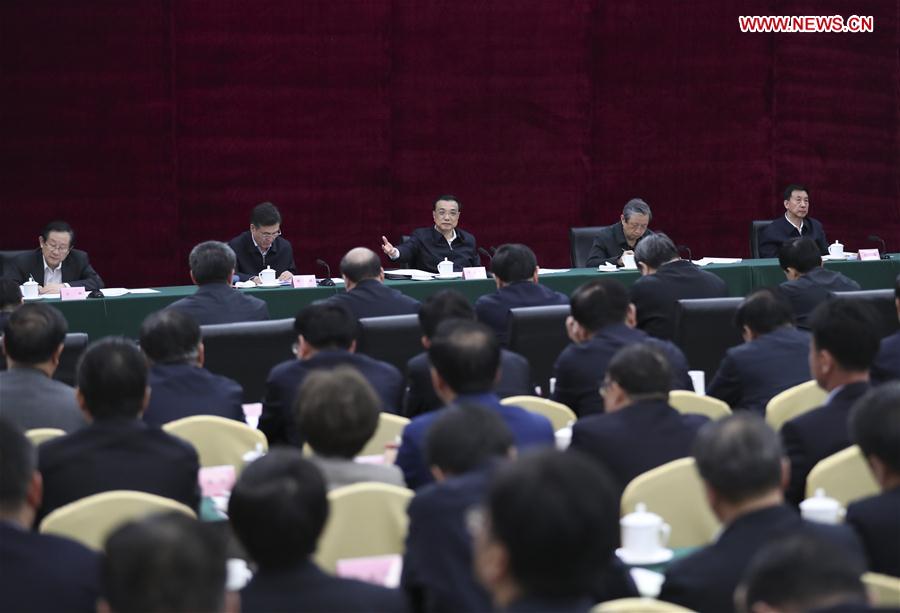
{"points": [[622, 237], [262, 245], [55, 264]]}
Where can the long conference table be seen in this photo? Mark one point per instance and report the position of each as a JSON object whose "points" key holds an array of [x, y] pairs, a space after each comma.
{"points": [[122, 315]]}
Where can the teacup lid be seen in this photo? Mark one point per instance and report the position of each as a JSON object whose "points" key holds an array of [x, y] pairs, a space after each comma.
{"points": [[641, 517], [30, 281], [819, 502], [839, 243]]}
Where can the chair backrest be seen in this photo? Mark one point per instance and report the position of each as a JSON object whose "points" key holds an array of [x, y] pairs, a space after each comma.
{"points": [[539, 334], [247, 351], [793, 402], [217, 440], [73, 346], [638, 605], [691, 402], [756, 226], [366, 519], [675, 492], [559, 414], [39, 435], [845, 476], [883, 301], [884, 590], [705, 330], [6, 260], [393, 339], [90, 520], [389, 428], [580, 241]]}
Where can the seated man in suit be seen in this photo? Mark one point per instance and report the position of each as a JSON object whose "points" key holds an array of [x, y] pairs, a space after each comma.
{"points": [[875, 427], [463, 447], [262, 246], [367, 295], [10, 299], [55, 264], [795, 223], [427, 247], [167, 562], [665, 280], [216, 302], [602, 322], [887, 363], [741, 464], [326, 337], [516, 275], [337, 411], [639, 430], [278, 509], [40, 572], [515, 372], [29, 397], [622, 236], [772, 359], [844, 343], [808, 284], [117, 450], [179, 385], [465, 357]]}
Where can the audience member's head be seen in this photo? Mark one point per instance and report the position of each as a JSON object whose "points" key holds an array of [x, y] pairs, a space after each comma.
{"points": [[211, 262], [514, 262], [264, 215], [800, 573], [325, 326], [34, 335], [845, 341], [10, 295], [636, 372], [798, 256], [278, 508], [440, 306], [112, 379], [653, 251], [763, 311], [167, 563], [360, 264], [465, 355], [171, 336], [599, 303], [465, 438], [20, 484], [875, 427], [337, 411], [548, 530]]}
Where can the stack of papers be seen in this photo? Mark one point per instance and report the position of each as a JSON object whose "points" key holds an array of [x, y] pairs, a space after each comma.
{"points": [[705, 261]]}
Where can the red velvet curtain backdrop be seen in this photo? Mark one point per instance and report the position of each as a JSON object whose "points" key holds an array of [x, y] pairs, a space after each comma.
{"points": [[152, 125]]}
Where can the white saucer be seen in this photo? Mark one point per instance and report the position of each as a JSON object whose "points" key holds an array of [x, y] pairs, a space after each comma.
{"points": [[452, 275], [33, 297], [657, 557], [276, 284]]}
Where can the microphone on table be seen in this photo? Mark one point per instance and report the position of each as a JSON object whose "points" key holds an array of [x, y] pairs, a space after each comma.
{"points": [[493, 250], [326, 282], [685, 248], [490, 258], [877, 239]]}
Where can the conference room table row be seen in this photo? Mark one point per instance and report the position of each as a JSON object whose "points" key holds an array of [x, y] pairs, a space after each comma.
{"points": [[99, 317]]}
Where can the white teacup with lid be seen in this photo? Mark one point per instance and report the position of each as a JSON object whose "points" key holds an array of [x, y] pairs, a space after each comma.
{"points": [[30, 288], [445, 267], [820, 508], [644, 534], [267, 276], [836, 249]]}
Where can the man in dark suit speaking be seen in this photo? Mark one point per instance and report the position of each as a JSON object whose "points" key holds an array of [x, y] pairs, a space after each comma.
{"points": [[55, 263]]}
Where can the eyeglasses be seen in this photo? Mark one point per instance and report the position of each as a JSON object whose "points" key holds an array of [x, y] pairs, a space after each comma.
{"points": [[53, 247], [270, 234], [442, 213]]}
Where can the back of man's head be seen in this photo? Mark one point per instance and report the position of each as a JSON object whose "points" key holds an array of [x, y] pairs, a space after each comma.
{"points": [[875, 425], [33, 333], [443, 305], [164, 564], [848, 330], [112, 378], [467, 437], [513, 262], [17, 464], [739, 457], [466, 355], [337, 411], [10, 294], [212, 262], [801, 254], [170, 336], [326, 325], [359, 264], [265, 214], [641, 370], [278, 508], [655, 250], [763, 311], [599, 303]]}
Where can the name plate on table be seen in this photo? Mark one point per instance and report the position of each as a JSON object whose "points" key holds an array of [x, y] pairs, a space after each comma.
{"points": [[303, 280], [216, 480], [74, 293], [866, 255], [475, 272]]}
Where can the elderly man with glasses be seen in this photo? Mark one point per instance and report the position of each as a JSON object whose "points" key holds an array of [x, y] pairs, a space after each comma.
{"points": [[55, 264], [623, 236]]}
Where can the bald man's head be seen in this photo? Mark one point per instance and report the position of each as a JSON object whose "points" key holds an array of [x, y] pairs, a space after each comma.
{"points": [[359, 264]]}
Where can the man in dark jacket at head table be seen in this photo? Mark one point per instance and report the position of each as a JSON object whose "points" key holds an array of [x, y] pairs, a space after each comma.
{"points": [[55, 263], [263, 246]]}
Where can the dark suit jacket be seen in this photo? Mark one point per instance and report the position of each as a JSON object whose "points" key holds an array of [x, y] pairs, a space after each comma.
{"points": [[656, 296], [426, 247], [371, 298], [705, 581], [493, 309], [609, 244], [752, 373], [781, 230], [812, 289], [887, 363], [250, 261], [580, 367], [636, 438], [305, 588], [877, 522], [182, 390], [40, 572], [277, 419], [76, 269], [816, 435], [515, 380], [219, 303], [117, 454]]}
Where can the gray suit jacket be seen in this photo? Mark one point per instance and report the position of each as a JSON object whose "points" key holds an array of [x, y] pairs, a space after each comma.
{"points": [[31, 399], [339, 472]]}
